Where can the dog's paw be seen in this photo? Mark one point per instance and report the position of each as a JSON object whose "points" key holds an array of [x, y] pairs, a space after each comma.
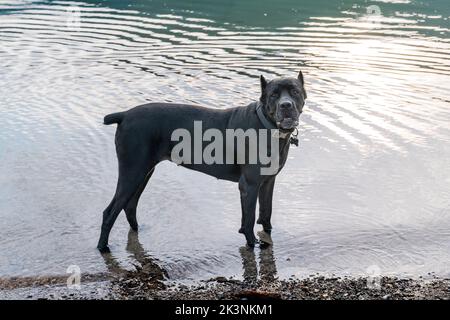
{"points": [[251, 245], [103, 249], [266, 225], [265, 237], [249, 236], [251, 240]]}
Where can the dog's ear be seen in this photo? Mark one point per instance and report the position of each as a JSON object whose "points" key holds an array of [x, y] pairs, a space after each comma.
{"points": [[263, 83], [263, 88], [300, 78]]}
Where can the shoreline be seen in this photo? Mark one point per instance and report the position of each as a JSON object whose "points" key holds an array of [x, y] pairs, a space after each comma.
{"points": [[150, 284]]}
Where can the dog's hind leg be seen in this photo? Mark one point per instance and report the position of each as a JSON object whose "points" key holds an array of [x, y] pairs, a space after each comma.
{"points": [[130, 209], [132, 175]]}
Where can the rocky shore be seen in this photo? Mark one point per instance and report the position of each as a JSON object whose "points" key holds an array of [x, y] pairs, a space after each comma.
{"points": [[314, 288], [150, 285]]}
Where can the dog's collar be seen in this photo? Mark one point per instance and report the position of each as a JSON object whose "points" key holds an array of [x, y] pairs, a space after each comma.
{"points": [[269, 124]]}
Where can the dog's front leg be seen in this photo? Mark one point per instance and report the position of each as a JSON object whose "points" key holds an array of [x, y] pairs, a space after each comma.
{"points": [[265, 204], [249, 194]]}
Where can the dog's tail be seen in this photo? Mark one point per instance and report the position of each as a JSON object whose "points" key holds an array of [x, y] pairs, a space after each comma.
{"points": [[114, 118]]}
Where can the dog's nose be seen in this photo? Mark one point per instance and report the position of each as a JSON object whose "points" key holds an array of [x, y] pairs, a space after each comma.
{"points": [[286, 105]]}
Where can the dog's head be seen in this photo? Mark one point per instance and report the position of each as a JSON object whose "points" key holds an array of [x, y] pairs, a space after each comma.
{"points": [[283, 100]]}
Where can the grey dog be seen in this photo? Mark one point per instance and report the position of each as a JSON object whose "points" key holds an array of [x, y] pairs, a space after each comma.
{"points": [[144, 138]]}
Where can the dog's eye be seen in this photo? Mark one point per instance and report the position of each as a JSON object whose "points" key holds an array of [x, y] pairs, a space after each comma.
{"points": [[274, 95], [295, 92]]}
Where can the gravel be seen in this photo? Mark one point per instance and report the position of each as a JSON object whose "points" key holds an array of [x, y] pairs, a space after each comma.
{"points": [[140, 287], [151, 283]]}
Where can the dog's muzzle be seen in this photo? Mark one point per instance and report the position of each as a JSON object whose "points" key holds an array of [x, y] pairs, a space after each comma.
{"points": [[287, 114], [287, 124]]}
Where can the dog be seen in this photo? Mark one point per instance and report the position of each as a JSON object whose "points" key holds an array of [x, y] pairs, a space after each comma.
{"points": [[144, 137]]}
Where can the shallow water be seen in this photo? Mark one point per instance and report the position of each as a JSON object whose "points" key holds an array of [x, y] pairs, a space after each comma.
{"points": [[366, 192]]}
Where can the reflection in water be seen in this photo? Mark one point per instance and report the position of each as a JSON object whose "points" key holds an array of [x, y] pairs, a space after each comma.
{"points": [[267, 267], [147, 264]]}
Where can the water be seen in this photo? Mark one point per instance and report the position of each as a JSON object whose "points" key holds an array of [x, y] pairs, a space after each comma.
{"points": [[368, 188]]}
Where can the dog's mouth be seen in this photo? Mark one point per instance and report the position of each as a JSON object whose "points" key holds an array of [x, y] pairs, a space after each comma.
{"points": [[287, 124]]}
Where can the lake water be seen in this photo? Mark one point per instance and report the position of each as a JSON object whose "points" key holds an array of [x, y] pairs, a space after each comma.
{"points": [[367, 191]]}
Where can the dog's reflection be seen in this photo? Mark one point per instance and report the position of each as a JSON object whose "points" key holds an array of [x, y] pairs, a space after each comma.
{"points": [[267, 267], [146, 264]]}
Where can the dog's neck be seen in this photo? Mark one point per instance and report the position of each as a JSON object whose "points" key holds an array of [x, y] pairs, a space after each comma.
{"points": [[268, 123]]}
